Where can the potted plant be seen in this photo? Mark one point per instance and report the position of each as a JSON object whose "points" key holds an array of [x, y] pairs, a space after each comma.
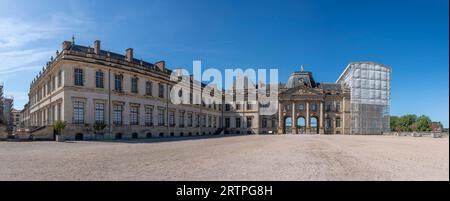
{"points": [[98, 127], [59, 127]]}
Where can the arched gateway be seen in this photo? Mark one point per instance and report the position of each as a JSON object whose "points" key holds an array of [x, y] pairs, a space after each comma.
{"points": [[303, 104]]}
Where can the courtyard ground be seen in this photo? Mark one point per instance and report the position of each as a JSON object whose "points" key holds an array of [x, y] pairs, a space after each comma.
{"points": [[256, 157]]}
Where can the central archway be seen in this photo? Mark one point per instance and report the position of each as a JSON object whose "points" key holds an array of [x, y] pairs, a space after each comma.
{"points": [[301, 125], [313, 124], [287, 127]]}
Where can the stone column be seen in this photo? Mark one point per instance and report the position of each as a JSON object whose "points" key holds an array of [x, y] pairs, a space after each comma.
{"points": [[280, 118], [321, 130], [294, 119], [308, 128]]}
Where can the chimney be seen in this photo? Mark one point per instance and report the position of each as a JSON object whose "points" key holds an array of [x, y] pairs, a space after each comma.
{"points": [[97, 47], [129, 55], [161, 65], [66, 45]]}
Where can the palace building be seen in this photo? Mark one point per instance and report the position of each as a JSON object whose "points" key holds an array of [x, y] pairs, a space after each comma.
{"points": [[84, 86]]}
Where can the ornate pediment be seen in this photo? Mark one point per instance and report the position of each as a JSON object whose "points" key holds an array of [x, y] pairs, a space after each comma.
{"points": [[301, 91]]}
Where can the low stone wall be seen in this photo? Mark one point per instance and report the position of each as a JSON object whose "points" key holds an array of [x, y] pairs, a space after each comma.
{"points": [[44, 133], [419, 134]]}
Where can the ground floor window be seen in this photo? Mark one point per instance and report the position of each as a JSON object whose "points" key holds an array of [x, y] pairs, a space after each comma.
{"points": [[99, 112], [227, 122], [264, 123], [148, 116], [161, 117], [189, 119], [172, 118], [134, 115], [117, 114], [78, 112]]}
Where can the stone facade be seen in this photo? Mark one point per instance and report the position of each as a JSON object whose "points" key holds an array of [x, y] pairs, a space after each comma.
{"points": [[314, 108], [84, 85]]}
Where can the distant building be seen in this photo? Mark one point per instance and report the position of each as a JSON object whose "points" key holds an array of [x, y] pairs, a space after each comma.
{"points": [[15, 117], [7, 113], [24, 117]]}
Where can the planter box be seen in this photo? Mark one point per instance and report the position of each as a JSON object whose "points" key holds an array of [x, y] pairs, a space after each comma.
{"points": [[59, 138]]}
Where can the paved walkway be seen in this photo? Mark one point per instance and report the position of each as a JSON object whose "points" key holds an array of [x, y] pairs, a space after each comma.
{"points": [[268, 157]]}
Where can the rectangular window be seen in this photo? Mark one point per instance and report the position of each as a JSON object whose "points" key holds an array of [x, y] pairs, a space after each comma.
{"points": [[78, 77], [287, 107], [238, 106], [214, 122], [197, 118], [249, 122], [172, 118], [249, 106], [314, 107], [134, 115], [49, 87], [99, 79], [59, 78], [148, 88], [59, 111], [238, 122], [204, 121], [100, 112], [149, 116], [181, 120], [78, 112], [338, 122], [53, 83], [161, 90], [117, 114], [264, 123], [338, 107], [118, 83], [209, 121], [134, 85], [328, 107], [161, 117], [227, 122], [189, 119], [274, 123]]}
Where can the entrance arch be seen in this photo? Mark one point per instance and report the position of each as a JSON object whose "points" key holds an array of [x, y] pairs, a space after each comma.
{"points": [[314, 124], [287, 126], [301, 125]]}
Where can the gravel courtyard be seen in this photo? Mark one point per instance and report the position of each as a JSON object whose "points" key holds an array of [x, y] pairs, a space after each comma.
{"points": [[256, 157]]}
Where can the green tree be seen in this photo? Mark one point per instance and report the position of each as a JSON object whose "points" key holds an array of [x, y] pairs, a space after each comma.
{"points": [[59, 126], [405, 122], [394, 123], [423, 123]]}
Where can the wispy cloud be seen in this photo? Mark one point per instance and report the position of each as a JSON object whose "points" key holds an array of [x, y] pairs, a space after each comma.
{"points": [[17, 33], [22, 42], [19, 60]]}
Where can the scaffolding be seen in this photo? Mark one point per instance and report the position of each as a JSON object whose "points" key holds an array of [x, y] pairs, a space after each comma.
{"points": [[369, 85]]}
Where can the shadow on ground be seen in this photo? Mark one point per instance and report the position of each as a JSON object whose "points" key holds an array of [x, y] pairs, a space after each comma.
{"points": [[161, 139]]}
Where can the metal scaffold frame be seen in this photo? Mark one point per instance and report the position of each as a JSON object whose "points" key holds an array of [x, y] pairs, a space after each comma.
{"points": [[370, 87]]}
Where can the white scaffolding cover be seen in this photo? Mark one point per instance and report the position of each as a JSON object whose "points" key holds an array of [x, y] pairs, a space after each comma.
{"points": [[369, 85]]}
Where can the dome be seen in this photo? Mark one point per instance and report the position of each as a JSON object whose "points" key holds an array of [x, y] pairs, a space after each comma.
{"points": [[300, 79]]}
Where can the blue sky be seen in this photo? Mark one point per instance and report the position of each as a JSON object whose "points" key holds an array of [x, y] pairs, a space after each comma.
{"points": [[410, 36]]}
